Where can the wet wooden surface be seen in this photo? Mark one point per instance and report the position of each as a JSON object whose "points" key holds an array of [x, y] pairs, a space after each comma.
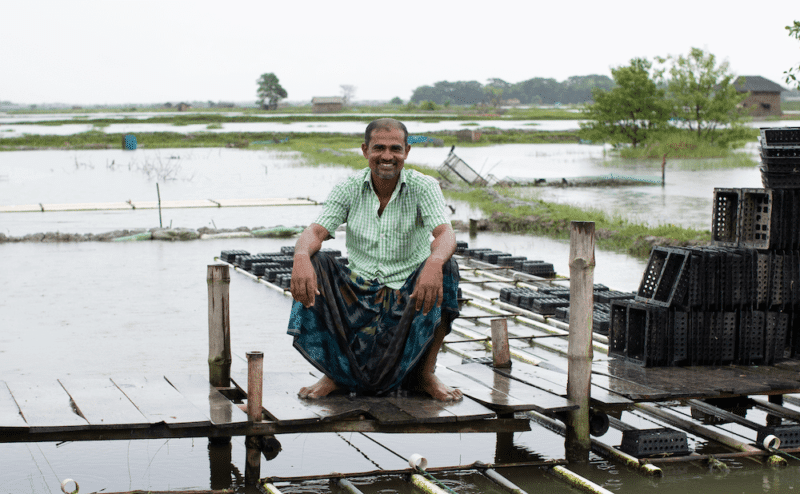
{"points": [[102, 403], [556, 383], [9, 411], [532, 397], [160, 402], [207, 399], [46, 406]]}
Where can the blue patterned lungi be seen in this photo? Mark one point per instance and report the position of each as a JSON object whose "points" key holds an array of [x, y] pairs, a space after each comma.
{"points": [[366, 336]]}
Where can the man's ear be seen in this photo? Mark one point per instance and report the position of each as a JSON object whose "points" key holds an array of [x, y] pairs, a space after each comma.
{"points": [[364, 149]]}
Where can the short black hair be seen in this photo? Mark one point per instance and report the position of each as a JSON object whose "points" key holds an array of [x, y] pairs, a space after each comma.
{"points": [[385, 124]]}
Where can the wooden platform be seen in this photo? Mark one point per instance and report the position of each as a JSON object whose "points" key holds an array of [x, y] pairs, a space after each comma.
{"points": [[74, 409], [131, 205]]}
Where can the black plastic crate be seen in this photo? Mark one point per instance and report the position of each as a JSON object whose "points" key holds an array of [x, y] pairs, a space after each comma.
{"points": [[679, 344], [259, 267], [461, 246], [270, 274], [779, 180], [510, 261], [725, 217], [546, 304], [541, 269], [775, 332], [609, 296], [229, 255], [494, 257], [287, 250], [750, 340], [641, 443], [666, 277], [756, 212], [618, 327], [780, 136], [505, 293], [474, 251], [780, 152], [788, 434]]}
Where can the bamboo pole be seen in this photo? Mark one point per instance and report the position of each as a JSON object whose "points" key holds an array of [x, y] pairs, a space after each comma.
{"points": [[219, 325], [501, 356], [255, 376], [579, 353], [576, 480], [158, 191]]}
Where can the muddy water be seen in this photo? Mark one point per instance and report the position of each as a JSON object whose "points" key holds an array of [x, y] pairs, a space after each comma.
{"points": [[121, 309]]}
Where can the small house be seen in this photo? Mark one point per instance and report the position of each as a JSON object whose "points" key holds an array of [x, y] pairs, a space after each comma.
{"points": [[763, 98], [327, 104], [183, 106]]}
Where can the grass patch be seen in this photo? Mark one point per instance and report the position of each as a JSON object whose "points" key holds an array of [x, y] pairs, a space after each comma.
{"points": [[470, 124], [538, 217], [214, 126]]}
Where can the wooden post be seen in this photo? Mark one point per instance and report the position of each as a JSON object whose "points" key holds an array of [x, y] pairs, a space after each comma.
{"points": [[579, 352], [255, 376], [158, 192], [501, 355], [663, 167], [473, 228], [219, 325]]}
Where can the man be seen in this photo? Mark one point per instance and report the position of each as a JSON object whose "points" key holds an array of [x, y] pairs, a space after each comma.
{"points": [[377, 325]]}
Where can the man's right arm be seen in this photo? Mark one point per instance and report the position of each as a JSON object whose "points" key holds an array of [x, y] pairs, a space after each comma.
{"points": [[304, 279]]}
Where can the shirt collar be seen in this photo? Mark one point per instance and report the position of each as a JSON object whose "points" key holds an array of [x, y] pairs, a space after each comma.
{"points": [[368, 180]]}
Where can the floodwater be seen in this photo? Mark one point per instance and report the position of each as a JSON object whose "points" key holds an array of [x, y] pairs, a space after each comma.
{"points": [[140, 308]]}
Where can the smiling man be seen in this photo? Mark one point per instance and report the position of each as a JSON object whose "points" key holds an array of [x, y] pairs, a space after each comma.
{"points": [[376, 325]]}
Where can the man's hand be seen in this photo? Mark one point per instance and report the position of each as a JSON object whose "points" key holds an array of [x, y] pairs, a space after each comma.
{"points": [[304, 280], [428, 291]]}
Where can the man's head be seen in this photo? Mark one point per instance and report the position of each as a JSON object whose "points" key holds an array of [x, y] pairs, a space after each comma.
{"points": [[385, 124], [386, 148]]}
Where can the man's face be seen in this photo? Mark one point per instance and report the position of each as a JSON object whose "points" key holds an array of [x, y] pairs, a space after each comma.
{"points": [[386, 154]]}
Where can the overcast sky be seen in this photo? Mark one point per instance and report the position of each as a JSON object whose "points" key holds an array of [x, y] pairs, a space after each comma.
{"points": [[114, 51]]}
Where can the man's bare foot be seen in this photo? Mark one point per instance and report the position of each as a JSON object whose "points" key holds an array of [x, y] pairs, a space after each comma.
{"points": [[429, 383], [321, 388]]}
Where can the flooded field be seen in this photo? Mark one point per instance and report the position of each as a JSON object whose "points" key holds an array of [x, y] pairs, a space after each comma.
{"points": [[140, 308]]}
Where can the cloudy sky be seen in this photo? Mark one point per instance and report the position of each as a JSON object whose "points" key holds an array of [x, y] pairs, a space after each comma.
{"points": [[143, 51]]}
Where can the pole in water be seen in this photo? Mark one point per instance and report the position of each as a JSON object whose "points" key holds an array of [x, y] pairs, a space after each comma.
{"points": [[158, 191], [255, 376], [473, 228], [501, 355], [663, 167]]}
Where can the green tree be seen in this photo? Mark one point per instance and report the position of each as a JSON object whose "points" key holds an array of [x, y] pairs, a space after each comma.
{"points": [[631, 111], [269, 89], [702, 93], [793, 72], [396, 101]]}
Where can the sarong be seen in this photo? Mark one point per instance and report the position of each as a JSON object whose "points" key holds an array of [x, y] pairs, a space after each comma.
{"points": [[366, 336]]}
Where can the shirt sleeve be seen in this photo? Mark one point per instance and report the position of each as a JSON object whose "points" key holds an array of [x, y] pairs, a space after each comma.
{"points": [[431, 204], [336, 207]]}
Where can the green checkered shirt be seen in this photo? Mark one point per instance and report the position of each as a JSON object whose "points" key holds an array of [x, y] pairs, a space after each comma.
{"points": [[391, 246]]}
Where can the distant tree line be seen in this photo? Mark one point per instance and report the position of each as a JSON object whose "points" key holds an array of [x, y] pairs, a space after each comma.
{"points": [[539, 91]]}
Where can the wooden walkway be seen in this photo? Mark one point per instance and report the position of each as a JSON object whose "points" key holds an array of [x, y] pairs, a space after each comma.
{"points": [[132, 205]]}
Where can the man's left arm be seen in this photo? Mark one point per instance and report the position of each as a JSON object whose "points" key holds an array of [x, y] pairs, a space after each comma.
{"points": [[429, 291]]}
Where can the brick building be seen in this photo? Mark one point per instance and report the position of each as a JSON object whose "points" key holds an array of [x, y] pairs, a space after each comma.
{"points": [[327, 104], [764, 98]]}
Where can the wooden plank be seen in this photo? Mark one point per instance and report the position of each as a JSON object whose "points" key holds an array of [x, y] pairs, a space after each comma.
{"points": [[10, 417], [427, 410], [190, 203], [87, 206], [102, 403], [281, 402], [264, 202], [677, 381], [206, 398], [487, 396], [384, 411], [22, 208], [732, 381], [776, 378], [556, 383], [539, 400], [46, 407], [160, 402]]}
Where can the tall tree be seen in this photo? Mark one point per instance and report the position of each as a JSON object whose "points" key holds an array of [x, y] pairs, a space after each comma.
{"points": [[793, 72], [348, 92], [631, 111], [702, 93], [269, 89]]}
